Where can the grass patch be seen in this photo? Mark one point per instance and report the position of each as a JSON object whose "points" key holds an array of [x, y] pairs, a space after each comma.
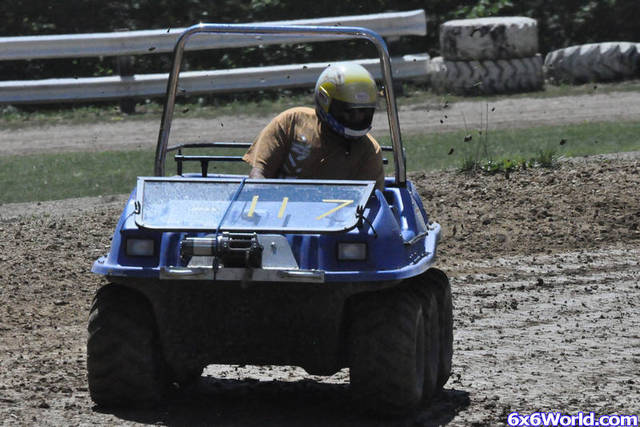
{"points": [[543, 145], [65, 175], [544, 159], [61, 176]]}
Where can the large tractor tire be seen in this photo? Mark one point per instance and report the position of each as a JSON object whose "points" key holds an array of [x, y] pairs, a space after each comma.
{"points": [[393, 351], [124, 361], [597, 62], [485, 77], [489, 38]]}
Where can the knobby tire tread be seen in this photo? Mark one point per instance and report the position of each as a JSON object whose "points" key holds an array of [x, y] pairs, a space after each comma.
{"points": [[124, 361]]}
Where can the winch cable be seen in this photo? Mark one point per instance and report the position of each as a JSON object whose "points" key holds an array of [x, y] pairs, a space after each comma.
{"points": [[224, 216]]}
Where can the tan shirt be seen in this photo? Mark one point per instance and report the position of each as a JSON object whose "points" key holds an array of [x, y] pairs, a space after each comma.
{"points": [[297, 144]]}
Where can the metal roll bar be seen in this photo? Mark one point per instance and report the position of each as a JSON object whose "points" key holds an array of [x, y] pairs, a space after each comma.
{"points": [[355, 32]]}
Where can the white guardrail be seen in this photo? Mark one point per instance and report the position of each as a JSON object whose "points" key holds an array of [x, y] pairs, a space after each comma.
{"points": [[194, 82]]}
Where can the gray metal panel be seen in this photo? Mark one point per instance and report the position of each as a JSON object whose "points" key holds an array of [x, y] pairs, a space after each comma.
{"points": [[277, 252]]}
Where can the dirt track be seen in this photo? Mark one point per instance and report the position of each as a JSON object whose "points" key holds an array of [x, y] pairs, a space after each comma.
{"points": [[415, 118], [544, 266], [545, 272]]}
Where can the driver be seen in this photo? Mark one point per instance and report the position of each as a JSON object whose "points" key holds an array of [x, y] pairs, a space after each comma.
{"points": [[330, 142]]}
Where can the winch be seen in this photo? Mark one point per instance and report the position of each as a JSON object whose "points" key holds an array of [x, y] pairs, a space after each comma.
{"points": [[231, 249]]}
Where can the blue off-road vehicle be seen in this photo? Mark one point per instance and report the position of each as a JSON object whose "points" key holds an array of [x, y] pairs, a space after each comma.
{"points": [[321, 274]]}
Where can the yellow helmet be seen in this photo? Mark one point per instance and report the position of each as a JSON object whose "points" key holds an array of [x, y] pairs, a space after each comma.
{"points": [[346, 97]]}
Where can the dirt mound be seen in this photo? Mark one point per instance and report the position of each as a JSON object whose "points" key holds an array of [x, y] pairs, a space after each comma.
{"points": [[544, 267], [581, 204]]}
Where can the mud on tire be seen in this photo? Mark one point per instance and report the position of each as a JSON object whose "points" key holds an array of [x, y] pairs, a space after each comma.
{"points": [[393, 350], [124, 362], [492, 38]]}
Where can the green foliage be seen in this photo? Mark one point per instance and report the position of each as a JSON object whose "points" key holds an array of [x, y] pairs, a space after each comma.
{"points": [[469, 164], [560, 24], [545, 146], [484, 8], [546, 158]]}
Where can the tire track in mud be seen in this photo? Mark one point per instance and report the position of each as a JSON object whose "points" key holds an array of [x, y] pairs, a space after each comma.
{"points": [[552, 332], [539, 332], [536, 334]]}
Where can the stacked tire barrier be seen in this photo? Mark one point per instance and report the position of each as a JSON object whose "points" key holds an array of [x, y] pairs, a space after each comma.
{"points": [[596, 62], [487, 56]]}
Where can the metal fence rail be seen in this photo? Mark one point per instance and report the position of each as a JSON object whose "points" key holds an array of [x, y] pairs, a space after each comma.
{"points": [[158, 41], [127, 43], [191, 82]]}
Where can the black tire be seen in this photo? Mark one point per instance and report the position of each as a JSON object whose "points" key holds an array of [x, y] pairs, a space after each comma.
{"points": [[124, 362], [388, 355], [431, 316], [596, 62], [485, 76], [438, 283]]}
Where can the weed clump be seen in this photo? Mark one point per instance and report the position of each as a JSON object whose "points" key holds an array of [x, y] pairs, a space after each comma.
{"points": [[546, 158]]}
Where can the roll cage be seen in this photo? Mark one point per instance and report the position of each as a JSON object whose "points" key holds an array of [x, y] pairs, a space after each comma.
{"points": [[351, 32]]}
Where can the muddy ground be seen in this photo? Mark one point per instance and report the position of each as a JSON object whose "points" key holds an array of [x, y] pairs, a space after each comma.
{"points": [[545, 270]]}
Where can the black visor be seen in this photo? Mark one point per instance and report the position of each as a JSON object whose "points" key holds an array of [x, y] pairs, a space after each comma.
{"points": [[358, 118]]}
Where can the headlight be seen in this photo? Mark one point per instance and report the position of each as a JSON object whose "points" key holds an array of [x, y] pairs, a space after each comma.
{"points": [[140, 247], [352, 251]]}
